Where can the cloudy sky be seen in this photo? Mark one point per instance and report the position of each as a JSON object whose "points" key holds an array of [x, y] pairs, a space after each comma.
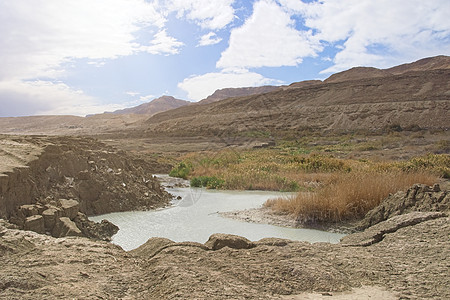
{"points": [[89, 56]]}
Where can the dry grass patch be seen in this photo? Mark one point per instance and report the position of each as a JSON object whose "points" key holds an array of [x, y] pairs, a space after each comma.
{"points": [[347, 196]]}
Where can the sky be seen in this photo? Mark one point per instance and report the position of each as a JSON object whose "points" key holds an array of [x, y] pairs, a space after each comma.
{"points": [[83, 57]]}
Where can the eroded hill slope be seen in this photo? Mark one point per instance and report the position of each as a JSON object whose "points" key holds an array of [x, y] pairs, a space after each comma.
{"points": [[420, 98]]}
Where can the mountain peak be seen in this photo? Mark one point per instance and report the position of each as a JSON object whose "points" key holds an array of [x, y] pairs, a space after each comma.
{"points": [[425, 64], [155, 106]]}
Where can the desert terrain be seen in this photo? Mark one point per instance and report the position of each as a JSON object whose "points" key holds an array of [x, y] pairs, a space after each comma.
{"points": [[55, 171]]}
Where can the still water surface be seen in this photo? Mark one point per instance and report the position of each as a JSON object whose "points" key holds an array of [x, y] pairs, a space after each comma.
{"points": [[195, 218]]}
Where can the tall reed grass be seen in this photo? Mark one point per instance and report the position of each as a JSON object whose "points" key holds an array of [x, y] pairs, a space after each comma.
{"points": [[348, 195]]}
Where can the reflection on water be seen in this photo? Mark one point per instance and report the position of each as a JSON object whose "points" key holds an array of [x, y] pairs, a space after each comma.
{"points": [[195, 218]]}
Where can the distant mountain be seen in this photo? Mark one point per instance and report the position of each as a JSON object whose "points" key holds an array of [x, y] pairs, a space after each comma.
{"points": [[155, 106], [358, 99], [356, 74], [409, 95], [426, 64], [301, 84], [237, 92]]}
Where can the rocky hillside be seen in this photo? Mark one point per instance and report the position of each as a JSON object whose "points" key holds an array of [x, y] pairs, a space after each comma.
{"points": [[46, 178], [237, 92], [155, 106], [426, 64], [413, 98], [365, 99]]}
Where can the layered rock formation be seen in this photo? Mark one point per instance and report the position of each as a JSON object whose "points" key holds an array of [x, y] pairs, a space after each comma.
{"points": [[69, 178], [61, 218], [417, 198]]}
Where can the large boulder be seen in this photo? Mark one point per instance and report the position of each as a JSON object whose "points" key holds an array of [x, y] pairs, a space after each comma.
{"points": [[66, 227], [70, 208], [102, 231], [50, 216], [219, 240], [27, 210], [35, 223]]}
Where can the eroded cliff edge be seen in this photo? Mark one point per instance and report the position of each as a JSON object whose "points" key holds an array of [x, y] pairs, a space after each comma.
{"points": [[64, 176]]}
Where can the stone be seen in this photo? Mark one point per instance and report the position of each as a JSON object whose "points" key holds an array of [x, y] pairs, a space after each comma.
{"points": [[28, 210], [35, 223], [103, 230], [219, 240], [377, 232], [50, 216], [66, 227], [70, 208]]}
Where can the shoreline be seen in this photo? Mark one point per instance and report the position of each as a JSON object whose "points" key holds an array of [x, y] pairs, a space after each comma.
{"points": [[264, 215]]}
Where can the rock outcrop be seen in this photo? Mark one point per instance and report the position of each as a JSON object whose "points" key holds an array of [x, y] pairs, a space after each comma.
{"points": [[417, 198], [376, 233], [220, 240], [49, 184], [101, 178], [61, 218]]}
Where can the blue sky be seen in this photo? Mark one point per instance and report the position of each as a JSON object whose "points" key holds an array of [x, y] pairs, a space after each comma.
{"points": [[89, 56]]}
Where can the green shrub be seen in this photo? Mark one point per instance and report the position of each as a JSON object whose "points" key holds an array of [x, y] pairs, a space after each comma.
{"points": [[438, 164], [320, 163], [210, 182], [181, 170]]}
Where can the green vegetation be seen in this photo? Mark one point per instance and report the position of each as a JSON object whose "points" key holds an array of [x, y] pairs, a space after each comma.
{"points": [[181, 170], [329, 188], [210, 182]]}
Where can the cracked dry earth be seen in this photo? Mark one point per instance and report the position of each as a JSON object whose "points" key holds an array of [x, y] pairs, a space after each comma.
{"points": [[410, 262]]}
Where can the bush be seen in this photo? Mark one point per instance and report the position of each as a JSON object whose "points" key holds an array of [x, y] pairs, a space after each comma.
{"points": [[438, 164], [182, 170], [210, 182], [320, 163]]}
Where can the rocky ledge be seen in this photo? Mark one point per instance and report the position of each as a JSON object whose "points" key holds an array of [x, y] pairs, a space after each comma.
{"points": [[402, 257], [49, 184], [409, 262], [61, 218]]}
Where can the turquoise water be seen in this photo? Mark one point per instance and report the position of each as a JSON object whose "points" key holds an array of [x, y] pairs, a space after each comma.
{"points": [[195, 217]]}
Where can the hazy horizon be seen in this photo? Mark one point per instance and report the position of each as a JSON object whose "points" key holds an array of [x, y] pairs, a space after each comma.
{"points": [[84, 57]]}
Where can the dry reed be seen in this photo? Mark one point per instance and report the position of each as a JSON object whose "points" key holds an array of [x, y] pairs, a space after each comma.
{"points": [[348, 195]]}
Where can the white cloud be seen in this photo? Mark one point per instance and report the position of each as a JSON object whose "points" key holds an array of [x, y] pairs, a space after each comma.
{"points": [[132, 93], [38, 35], [39, 38], [268, 39], [163, 44], [146, 98], [209, 39], [200, 87], [45, 98], [205, 13], [378, 33]]}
